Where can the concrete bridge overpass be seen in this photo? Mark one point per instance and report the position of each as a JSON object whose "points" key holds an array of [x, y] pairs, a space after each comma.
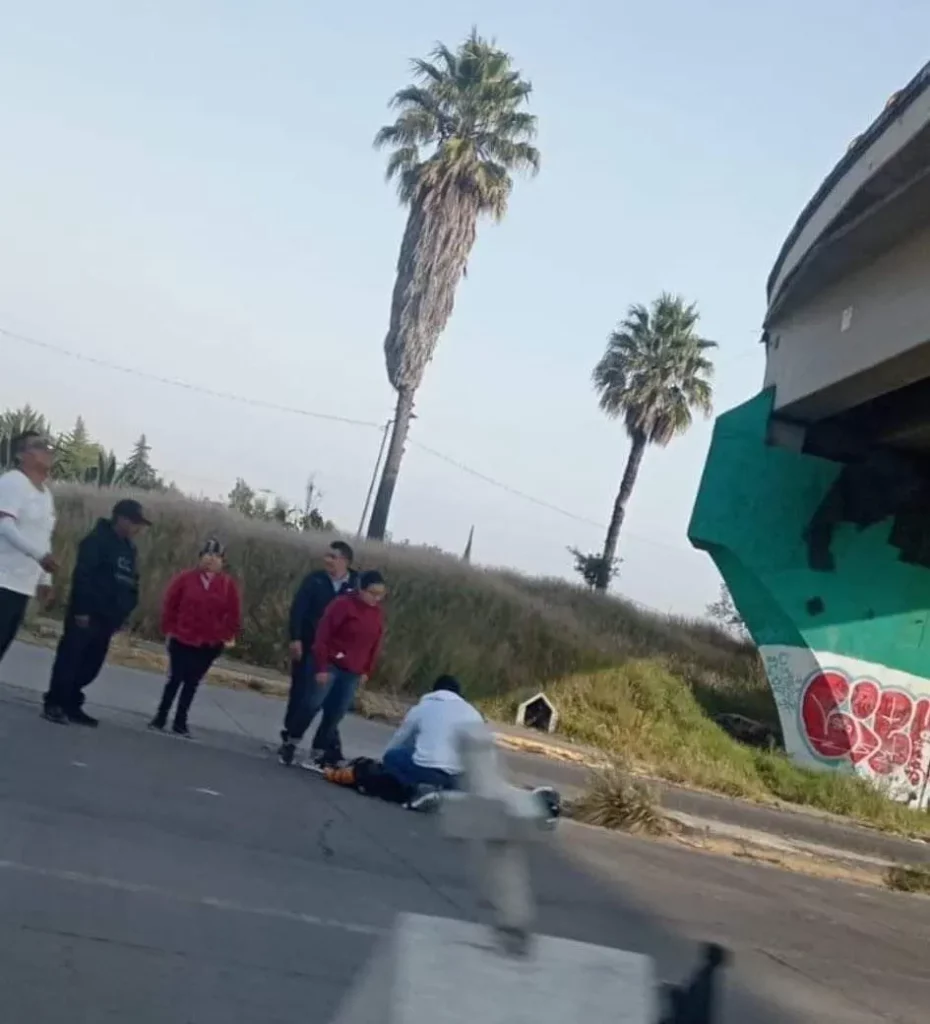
{"points": [[815, 500]]}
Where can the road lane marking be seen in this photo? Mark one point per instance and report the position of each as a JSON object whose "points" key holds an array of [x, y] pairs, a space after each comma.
{"points": [[207, 792], [214, 902]]}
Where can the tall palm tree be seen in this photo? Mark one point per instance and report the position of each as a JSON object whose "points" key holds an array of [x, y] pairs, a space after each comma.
{"points": [[654, 374], [459, 134]]}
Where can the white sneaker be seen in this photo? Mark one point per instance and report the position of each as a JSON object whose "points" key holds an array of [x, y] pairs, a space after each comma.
{"points": [[317, 763], [551, 802], [427, 801]]}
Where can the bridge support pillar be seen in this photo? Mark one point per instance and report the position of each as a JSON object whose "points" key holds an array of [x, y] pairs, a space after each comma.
{"points": [[845, 645]]}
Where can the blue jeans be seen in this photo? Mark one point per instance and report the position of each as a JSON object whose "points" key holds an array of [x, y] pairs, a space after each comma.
{"points": [[335, 699], [399, 762]]}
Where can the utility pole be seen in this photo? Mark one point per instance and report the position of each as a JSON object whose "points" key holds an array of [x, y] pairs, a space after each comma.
{"points": [[466, 557], [374, 477]]}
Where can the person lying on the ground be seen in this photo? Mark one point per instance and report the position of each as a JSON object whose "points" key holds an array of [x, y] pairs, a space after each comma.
{"points": [[422, 759]]}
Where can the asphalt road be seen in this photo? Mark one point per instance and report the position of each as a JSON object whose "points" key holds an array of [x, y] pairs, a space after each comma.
{"points": [[255, 719], [148, 879], [810, 827]]}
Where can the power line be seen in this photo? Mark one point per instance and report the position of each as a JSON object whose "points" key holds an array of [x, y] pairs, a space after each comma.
{"points": [[175, 383], [263, 404], [503, 486], [539, 501]]}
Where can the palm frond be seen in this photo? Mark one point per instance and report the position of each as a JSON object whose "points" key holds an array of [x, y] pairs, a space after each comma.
{"points": [[424, 69], [401, 161], [460, 133], [464, 113], [654, 373]]}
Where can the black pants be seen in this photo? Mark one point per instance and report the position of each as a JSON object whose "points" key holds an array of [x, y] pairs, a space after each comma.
{"points": [[82, 650], [302, 708], [186, 667], [12, 613]]}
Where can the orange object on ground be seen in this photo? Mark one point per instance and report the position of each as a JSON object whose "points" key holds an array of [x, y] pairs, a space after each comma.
{"points": [[341, 776]]}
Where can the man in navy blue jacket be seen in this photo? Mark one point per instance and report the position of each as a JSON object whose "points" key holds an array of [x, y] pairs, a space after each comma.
{"points": [[313, 595], [104, 591]]}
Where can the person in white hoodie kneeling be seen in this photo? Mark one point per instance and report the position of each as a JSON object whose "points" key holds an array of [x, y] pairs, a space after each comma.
{"points": [[423, 753]]}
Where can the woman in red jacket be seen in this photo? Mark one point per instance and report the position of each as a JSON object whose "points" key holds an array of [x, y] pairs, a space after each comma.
{"points": [[201, 614]]}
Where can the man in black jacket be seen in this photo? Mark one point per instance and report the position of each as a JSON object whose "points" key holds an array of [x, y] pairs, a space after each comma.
{"points": [[104, 591], [313, 595]]}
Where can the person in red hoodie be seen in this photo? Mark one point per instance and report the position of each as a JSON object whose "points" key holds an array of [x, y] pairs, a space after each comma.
{"points": [[345, 651], [200, 615]]}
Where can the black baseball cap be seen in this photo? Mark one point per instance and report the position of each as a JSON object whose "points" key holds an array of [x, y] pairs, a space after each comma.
{"points": [[130, 509]]}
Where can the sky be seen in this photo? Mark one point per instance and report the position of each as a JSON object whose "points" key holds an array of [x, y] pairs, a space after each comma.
{"points": [[188, 189]]}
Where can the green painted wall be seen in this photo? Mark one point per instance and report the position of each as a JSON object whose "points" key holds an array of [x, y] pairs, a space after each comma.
{"points": [[753, 505]]}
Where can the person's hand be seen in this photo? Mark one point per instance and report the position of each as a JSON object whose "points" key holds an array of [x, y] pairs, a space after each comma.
{"points": [[297, 650], [230, 643], [82, 621], [49, 564], [322, 678], [45, 596], [362, 679]]}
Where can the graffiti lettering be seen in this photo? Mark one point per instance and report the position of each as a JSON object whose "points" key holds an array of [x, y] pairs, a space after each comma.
{"points": [[785, 684], [886, 729]]}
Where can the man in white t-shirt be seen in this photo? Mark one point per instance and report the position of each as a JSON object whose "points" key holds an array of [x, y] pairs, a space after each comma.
{"points": [[27, 519]]}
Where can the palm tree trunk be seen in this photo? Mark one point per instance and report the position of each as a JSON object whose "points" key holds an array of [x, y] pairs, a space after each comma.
{"points": [[377, 525], [627, 483]]}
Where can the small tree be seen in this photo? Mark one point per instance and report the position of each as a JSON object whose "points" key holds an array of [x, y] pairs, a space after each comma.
{"points": [[591, 567], [105, 472], [244, 500], [77, 455], [138, 471], [280, 512], [723, 612], [241, 498], [311, 518]]}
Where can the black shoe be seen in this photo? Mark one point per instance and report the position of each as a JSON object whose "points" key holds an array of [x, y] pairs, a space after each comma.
{"points": [[80, 717], [157, 724], [53, 713], [180, 729], [286, 753]]}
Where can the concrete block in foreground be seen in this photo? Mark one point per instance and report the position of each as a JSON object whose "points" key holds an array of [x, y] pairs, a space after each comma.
{"points": [[432, 970]]}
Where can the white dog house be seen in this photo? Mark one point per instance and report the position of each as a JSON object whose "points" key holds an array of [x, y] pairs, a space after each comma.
{"points": [[538, 713]]}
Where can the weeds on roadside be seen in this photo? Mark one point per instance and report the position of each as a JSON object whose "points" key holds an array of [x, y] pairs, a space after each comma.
{"points": [[909, 878], [616, 799]]}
